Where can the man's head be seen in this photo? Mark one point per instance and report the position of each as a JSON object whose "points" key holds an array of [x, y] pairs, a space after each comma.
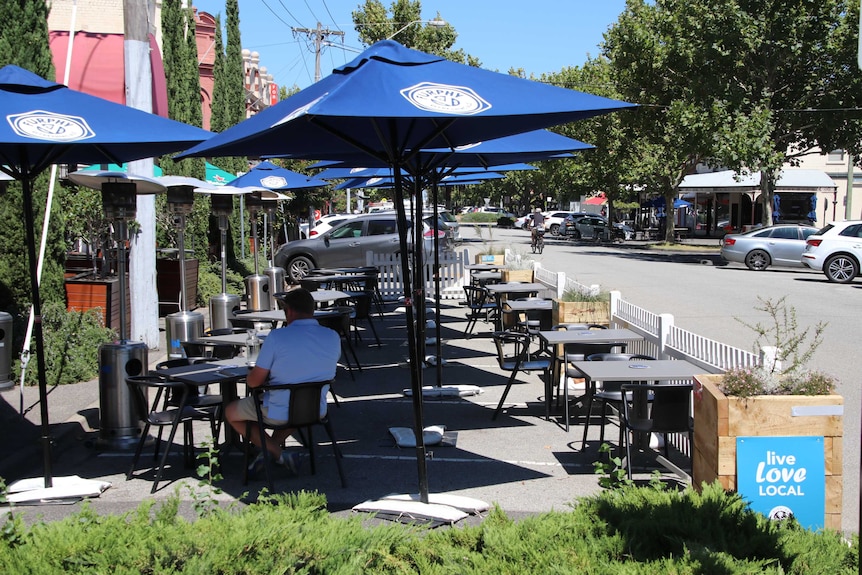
{"points": [[537, 210], [298, 304]]}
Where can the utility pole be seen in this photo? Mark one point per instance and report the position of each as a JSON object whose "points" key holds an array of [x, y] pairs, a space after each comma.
{"points": [[318, 35]]}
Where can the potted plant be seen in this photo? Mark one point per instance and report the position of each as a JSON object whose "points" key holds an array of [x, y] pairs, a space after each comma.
{"points": [[591, 306], [779, 398], [489, 253], [518, 267]]}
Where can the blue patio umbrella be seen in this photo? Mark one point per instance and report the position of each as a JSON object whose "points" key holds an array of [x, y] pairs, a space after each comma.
{"points": [[659, 203], [388, 104], [389, 182], [272, 177], [49, 123]]}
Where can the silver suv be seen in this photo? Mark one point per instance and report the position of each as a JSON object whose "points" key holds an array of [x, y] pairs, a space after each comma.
{"points": [[836, 250], [342, 246]]}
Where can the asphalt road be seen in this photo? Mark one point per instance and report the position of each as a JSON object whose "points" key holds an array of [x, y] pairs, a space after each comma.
{"points": [[712, 298]]}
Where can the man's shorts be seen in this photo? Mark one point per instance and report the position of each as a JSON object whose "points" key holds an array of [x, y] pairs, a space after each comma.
{"points": [[245, 408]]}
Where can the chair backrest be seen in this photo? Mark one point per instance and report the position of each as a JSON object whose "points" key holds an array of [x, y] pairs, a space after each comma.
{"points": [[581, 351], [139, 386], [669, 405], [512, 348], [476, 296], [169, 363], [305, 398]]}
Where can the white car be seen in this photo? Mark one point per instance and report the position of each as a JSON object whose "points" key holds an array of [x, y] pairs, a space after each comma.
{"points": [[327, 222], [523, 223], [836, 250]]}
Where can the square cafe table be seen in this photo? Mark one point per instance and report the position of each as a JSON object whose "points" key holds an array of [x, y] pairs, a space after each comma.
{"points": [[640, 370], [499, 291], [567, 336]]}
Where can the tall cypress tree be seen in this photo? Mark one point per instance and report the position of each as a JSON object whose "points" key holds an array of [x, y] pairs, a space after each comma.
{"points": [[234, 76], [24, 43], [218, 119]]}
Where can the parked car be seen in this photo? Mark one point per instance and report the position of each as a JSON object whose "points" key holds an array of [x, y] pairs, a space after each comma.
{"points": [[523, 222], [554, 220], [836, 250], [585, 227], [327, 222], [345, 244], [779, 245]]}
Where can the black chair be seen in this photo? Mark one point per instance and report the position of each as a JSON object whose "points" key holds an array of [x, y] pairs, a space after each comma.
{"points": [[208, 406], [513, 356], [656, 408], [479, 307], [580, 352], [339, 318], [159, 413], [610, 395], [303, 414]]}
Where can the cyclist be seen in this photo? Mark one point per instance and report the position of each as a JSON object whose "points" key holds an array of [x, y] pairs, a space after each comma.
{"points": [[537, 221]]}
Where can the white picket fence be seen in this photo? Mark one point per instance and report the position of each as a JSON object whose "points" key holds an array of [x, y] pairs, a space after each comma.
{"points": [[452, 274]]}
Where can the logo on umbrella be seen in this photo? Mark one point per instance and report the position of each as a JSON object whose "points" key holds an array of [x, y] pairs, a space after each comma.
{"points": [[273, 182], [50, 126], [445, 99]]}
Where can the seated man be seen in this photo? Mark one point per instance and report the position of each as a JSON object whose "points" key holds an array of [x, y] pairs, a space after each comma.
{"points": [[301, 351]]}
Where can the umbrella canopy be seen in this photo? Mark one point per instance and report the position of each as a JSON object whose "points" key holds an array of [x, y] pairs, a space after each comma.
{"points": [[387, 105], [48, 123], [343, 173], [659, 203], [268, 175], [389, 182], [420, 101], [157, 171]]}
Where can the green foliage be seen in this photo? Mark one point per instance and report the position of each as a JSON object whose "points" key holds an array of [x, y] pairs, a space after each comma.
{"points": [[72, 341], [587, 296], [479, 218], [613, 472], [209, 282], [626, 530], [24, 36]]}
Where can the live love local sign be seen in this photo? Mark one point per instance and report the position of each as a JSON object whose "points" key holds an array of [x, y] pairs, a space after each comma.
{"points": [[783, 476]]}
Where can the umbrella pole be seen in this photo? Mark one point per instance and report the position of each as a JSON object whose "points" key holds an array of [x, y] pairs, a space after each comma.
{"points": [[27, 186], [438, 364], [415, 369]]}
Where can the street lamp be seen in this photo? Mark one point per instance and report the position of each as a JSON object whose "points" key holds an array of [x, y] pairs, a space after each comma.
{"points": [[436, 23]]}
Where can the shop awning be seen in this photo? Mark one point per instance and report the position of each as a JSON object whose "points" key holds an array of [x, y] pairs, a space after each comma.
{"points": [[795, 180]]}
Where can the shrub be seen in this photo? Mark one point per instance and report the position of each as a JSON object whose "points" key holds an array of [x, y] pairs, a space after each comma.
{"points": [[72, 340]]}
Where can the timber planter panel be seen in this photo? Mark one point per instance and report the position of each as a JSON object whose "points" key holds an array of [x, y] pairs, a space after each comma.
{"points": [[719, 419], [597, 312], [516, 276], [83, 294]]}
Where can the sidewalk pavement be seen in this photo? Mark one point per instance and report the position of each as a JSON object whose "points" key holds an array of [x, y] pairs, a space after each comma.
{"points": [[521, 462]]}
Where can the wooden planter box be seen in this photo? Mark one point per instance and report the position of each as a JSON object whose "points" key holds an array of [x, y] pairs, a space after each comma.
{"points": [[597, 312], [516, 276], [168, 284], [84, 293], [497, 260], [720, 419]]}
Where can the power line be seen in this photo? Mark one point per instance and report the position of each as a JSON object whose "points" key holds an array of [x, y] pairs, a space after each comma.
{"points": [[318, 36]]}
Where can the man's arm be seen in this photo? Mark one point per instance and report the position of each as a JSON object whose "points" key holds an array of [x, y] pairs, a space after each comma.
{"points": [[257, 377]]}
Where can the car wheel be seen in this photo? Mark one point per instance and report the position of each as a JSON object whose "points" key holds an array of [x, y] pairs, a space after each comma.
{"points": [[841, 269], [555, 229], [298, 267], [757, 260], [576, 235]]}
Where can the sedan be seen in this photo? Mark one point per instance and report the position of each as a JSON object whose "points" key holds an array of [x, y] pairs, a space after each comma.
{"points": [[779, 245]]}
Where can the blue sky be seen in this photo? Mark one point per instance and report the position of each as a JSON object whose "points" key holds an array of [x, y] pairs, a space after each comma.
{"points": [[536, 35]]}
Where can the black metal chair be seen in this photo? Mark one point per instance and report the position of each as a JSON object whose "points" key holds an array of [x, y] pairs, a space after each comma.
{"points": [[513, 356], [656, 408], [208, 406], [303, 414], [479, 307], [579, 352], [339, 318], [159, 413], [610, 395]]}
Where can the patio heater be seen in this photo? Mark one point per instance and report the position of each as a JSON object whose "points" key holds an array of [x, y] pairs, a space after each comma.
{"points": [[275, 273], [223, 306], [118, 422], [183, 325], [257, 286]]}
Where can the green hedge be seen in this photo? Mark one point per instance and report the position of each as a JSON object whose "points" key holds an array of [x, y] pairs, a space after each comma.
{"points": [[72, 340], [638, 530]]}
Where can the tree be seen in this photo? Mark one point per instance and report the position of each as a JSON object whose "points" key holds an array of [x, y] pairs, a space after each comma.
{"points": [[749, 85], [24, 43], [373, 24]]}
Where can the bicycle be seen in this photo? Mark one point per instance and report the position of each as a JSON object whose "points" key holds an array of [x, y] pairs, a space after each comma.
{"points": [[538, 241]]}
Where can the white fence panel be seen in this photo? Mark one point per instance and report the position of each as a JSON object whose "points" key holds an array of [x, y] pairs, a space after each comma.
{"points": [[452, 274]]}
